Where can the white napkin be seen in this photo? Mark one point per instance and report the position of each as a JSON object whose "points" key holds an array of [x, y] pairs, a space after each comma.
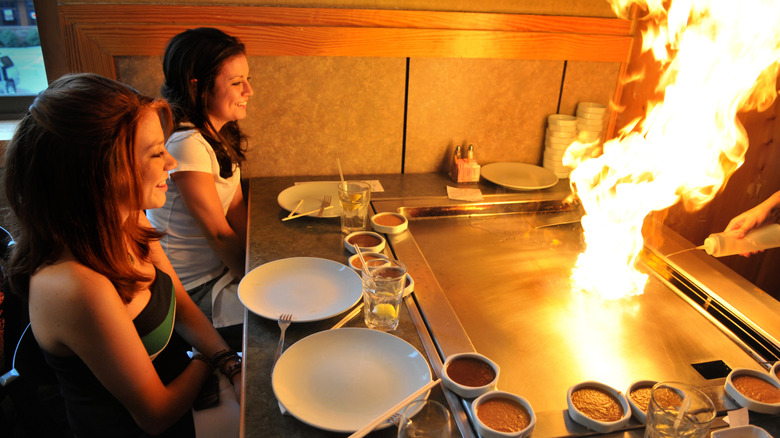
{"points": [[459, 194], [223, 420], [737, 417], [226, 307]]}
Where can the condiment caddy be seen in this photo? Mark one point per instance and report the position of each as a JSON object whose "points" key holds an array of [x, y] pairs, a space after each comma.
{"points": [[464, 169]]}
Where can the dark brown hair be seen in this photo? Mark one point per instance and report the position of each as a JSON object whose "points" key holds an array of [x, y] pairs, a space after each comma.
{"points": [[69, 168], [200, 54]]}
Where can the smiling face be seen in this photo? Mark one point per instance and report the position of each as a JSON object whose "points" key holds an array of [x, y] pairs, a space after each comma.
{"points": [[153, 161], [228, 99]]}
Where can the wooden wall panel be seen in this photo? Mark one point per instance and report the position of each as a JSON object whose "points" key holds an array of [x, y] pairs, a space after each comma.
{"points": [[94, 34]]}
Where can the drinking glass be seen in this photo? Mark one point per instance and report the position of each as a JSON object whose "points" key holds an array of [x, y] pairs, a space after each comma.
{"points": [[424, 419], [383, 289], [678, 410], [354, 197]]}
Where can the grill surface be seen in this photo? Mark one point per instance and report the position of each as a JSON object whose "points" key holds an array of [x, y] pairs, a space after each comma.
{"points": [[505, 279]]}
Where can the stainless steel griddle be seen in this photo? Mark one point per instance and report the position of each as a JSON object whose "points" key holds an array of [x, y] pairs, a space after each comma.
{"points": [[493, 277]]}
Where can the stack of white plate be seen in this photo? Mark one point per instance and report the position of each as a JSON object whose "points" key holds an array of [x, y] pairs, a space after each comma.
{"points": [[590, 121], [561, 132]]}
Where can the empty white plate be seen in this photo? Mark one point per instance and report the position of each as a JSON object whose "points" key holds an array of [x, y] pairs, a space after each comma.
{"points": [[310, 288], [519, 176], [311, 193], [340, 380]]}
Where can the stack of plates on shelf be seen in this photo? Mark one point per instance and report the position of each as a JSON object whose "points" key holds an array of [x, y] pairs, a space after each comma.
{"points": [[590, 121], [561, 132]]}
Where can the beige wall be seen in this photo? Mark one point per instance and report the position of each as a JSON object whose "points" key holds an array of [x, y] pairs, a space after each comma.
{"points": [[308, 111], [376, 117]]}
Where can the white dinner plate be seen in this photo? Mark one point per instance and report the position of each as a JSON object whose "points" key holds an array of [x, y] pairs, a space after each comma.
{"points": [[310, 288], [340, 380], [311, 193], [519, 176]]}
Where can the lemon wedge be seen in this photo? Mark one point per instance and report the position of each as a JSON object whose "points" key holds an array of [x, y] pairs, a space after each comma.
{"points": [[385, 311], [352, 203]]}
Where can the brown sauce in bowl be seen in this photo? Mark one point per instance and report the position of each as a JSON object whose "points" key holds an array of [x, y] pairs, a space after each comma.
{"points": [[388, 220], [469, 371], [365, 240], [641, 396], [359, 265], [757, 389], [597, 404], [503, 414]]}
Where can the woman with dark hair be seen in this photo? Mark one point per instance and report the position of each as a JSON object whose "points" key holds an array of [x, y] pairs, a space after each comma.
{"points": [[105, 304], [204, 217]]}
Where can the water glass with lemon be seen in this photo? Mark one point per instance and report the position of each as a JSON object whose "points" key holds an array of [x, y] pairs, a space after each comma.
{"points": [[383, 289], [354, 197]]}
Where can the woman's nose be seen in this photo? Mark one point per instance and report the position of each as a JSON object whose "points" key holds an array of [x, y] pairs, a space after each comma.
{"points": [[170, 162]]}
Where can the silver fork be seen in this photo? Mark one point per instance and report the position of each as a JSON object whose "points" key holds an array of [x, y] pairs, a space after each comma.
{"points": [[284, 322], [395, 419], [325, 203]]}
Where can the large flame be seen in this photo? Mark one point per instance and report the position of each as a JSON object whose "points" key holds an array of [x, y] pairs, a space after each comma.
{"points": [[717, 57]]}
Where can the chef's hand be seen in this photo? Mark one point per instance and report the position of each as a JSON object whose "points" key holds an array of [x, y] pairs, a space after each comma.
{"points": [[755, 217]]}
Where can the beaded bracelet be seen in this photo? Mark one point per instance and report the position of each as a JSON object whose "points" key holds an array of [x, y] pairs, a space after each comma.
{"points": [[221, 356], [232, 370], [225, 369]]}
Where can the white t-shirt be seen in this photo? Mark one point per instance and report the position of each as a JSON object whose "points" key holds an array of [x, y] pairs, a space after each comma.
{"points": [[193, 259]]}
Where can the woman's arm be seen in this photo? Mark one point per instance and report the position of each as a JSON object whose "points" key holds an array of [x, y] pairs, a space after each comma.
{"points": [[237, 215], [756, 216], [75, 310], [191, 323], [202, 201]]}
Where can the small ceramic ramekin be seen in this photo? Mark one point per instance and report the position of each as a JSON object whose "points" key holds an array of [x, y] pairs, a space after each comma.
{"points": [[369, 241], [389, 223], [747, 431], [775, 371], [354, 259], [747, 402], [639, 411], [408, 285], [485, 431], [464, 390], [591, 423]]}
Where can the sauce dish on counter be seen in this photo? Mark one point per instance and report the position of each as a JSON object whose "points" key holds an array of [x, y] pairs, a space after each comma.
{"points": [[502, 414], [755, 390], [469, 374], [598, 407]]}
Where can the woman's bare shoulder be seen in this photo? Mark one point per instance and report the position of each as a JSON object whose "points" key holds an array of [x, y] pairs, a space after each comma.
{"points": [[67, 297], [66, 278]]}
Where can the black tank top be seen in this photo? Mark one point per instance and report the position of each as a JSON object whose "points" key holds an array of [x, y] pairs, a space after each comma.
{"points": [[92, 410]]}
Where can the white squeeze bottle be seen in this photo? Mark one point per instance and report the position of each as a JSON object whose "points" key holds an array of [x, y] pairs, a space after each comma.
{"points": [[724, 244]]}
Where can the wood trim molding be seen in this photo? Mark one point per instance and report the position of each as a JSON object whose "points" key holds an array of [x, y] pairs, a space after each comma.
{"points": [[95, 34]]}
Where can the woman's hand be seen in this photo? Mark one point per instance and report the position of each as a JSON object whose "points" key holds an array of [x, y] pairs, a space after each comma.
{"points": [[238, 381]]}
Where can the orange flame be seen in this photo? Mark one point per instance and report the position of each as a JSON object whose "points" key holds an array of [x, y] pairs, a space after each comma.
{"points": [[717, 58]]}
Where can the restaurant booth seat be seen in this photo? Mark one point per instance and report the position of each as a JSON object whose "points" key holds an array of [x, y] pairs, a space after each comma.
{"points": [[30, 402]]}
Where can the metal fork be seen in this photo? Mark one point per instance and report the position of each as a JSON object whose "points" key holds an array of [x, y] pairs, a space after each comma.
{"points": [[396, 419], [284, 322], [325, 203]]}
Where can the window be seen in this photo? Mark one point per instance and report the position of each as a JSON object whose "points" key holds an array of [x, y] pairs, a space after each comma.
{"points": [[22, 71]]}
